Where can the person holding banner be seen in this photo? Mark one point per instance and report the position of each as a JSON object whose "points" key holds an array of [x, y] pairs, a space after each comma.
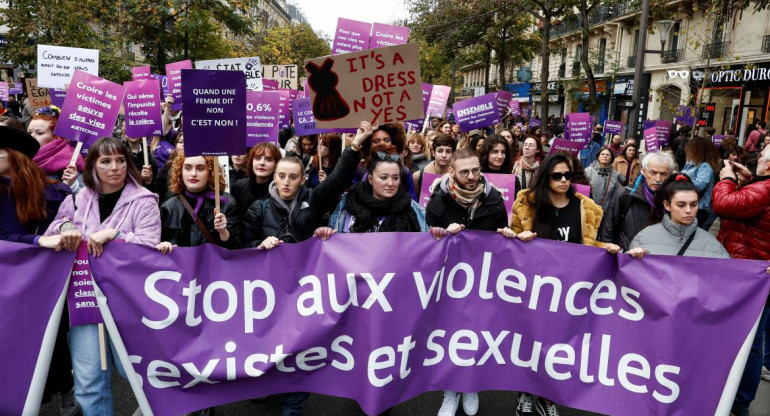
{"points": [[260, 167], [112, 206], [56, 154], [418, 153], [628, 164], [528, 161], [702, 162], [604, 180], [443, 147]]}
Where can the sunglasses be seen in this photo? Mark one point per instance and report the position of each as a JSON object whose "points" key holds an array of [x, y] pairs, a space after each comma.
{"points": [[385, 157], [557, 176]]}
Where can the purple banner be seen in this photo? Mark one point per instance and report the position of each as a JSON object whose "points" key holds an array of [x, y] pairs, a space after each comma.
{"points": [[351, 36], [477, 113], [4, 91], [426, 189], [515, 108], [613, 127], [142, 108], [262, 117], [386, 35], [163, 84], [31, 303], [503, 99], [90, 109], [214, 112], [562, 145], [684, 114], [139, 73], [578, 127], [304, 121], [506, 184], [382, 331], [651, 140], [81, 299], [57, 96], [174, 75], [717, 139], [663, 129]]}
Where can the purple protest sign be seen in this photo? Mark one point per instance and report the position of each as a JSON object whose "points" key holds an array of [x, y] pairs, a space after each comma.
{"points": [[651, 140], [90, 109], [506, 184], [386, 35], [578, 127], [717, 139], [214, 112], [381, 331], [561, 145], [262, 117], [613, 127], [304, 121], [426, 189], [139, 73], [174, 78], [57, 96], [163, 84], [503, 99], [351, 36], [142, 108], [284, 108], [663, 129], [269, 85], [4, 91], [478, 112], [585, 190], [81, 299], [32, 302], [533, 122], [515, 107]]}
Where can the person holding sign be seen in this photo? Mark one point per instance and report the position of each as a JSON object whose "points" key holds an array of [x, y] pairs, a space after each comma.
{"points": [[189, 218], [56, 156], [112, 206]]}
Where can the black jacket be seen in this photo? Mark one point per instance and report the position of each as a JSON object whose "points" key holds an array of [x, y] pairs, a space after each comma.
{"points": [[266, 218], [443, 210], [180, 229]]}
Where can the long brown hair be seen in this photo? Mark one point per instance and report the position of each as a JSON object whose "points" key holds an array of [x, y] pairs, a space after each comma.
{"points": [[175, 181], [26, 190]]}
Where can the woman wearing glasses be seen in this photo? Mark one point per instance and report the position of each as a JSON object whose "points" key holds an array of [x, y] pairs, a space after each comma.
{"points": [[552, 209]]}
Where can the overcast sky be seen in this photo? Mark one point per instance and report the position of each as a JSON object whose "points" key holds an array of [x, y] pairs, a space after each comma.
{"points": [[323, 14]]}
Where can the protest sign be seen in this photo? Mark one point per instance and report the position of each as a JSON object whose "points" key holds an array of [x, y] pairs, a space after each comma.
{"points": [[717, 139], [351, 36], [56, 65], [174, 78], [663, 131], [262, 117], [380, 86], [515, 108], [503, 99], [578, 127], [651, 140], [304, 122], [32, 302], [251, 67], [381, 331], [38, 96], [477, 113], [388, 35], [4, 93], [426, 188], [81, 299], [613, 127], [506, 184], [561, 145], [163, 84], [439, 94], [214, 112], [139, 73], [57, 96], [142, 108], [90, 109], [285, 75]]}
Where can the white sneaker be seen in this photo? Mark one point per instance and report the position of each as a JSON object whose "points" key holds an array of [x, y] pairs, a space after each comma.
{"points": [[765, 374], [470, 403], [450, 404]]}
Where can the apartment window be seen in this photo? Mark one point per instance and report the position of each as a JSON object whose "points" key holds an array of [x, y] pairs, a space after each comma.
{"points": [[602, 56]]}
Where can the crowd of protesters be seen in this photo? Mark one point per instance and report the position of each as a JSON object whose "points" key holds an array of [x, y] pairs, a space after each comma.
{"points": [[309, 186]]}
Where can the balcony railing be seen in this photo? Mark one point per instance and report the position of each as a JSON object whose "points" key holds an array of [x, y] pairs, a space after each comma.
{"points": [[631, 61], [766, 44], [598, 15], [715, 50], [576, 69], [671, 56]]}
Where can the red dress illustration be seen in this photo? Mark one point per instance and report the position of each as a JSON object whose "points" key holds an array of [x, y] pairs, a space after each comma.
{"points": [[328, 104]]}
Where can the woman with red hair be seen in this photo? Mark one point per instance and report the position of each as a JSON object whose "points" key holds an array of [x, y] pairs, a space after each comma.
{"points": [[55, 152]]}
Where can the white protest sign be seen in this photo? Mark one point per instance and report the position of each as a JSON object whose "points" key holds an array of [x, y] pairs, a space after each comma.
{"points": [[252, 67], [57, 64], [286, 75]]}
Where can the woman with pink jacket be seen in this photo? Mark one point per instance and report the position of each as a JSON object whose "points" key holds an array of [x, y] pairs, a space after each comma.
{"points": [[112, 206]]}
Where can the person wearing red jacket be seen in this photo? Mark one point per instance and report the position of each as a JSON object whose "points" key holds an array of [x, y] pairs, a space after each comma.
{"points": [[743, 202]]}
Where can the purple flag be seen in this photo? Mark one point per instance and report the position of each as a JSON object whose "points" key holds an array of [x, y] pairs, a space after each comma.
{"points": [[262, 117], [139, 73], [142, 108], [386, 35], [174, 75], [214, 112], [475, 311], [4, 91], [578, 127], [717, 139], [506, 184], [613, 127], [651, 140], [81, 299], [426, 190], [57, 96], [351, 36], [304, 121], [503, 99], [560, 145], [478, 112], [90, 109], [31, 303], [163, 84]]}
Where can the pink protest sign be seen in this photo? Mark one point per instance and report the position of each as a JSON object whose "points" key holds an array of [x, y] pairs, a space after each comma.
{"points": [[387, 35], [426, 189], [81, 298], [561, 145], [174, 75], [351, 36], [142, 108], [506, 184], [139, 73]]}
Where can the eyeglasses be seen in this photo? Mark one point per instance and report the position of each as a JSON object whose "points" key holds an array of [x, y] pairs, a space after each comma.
{"points": [[385, 157], [465, 172], [557, 176]]}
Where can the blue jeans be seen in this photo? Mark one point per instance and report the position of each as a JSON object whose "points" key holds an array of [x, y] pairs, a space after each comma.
{"points": [[747, 389], [93, 387]]}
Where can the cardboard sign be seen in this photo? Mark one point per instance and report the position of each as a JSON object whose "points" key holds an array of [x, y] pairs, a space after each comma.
{"points": [[38, 96], [174, 75], [503, 99], [387, 35], [262, 117], [351, 36], [252, 67], [380, 86], [90, 109], [56, 65], [4, 91], [214, 112], [561, 145], [477, 113], [139, 73], [613, 127], [286, 75], [142, 108], [426, 189], [651, 140], [578, 127], [506, 184]]}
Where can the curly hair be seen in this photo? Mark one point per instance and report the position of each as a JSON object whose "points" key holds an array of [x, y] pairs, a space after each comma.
{"points": [[175, 181]]}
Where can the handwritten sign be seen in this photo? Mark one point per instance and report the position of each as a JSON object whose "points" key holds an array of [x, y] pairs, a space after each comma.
{"points": [[351, 36], [251, 67], [381, 86], [56, 65]]}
